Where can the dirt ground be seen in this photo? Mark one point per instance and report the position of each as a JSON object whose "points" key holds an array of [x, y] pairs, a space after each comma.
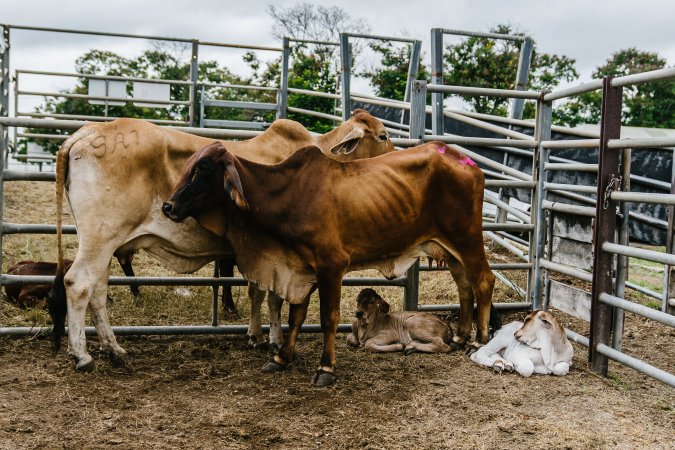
{"points": [[209, 391]]}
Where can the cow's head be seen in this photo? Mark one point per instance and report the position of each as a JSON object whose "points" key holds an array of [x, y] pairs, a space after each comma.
{"points": [[369, 304], [538, 329], [209, 175], [363, 136]]}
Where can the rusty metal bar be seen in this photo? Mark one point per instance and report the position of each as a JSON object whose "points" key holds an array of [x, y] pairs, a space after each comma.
{"points": [[605, 226]]}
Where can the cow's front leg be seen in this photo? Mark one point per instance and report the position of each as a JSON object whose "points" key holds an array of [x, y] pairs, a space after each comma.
{"points": [[330, 286], [296, 317], [275, 303], [256, 338]]}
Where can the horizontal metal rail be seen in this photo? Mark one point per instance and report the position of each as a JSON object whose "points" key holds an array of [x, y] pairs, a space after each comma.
{"points": [[569, 209], [492, 198], [486, 126], [97, 118], [507, 245], [251, 87], [21, 228], [314, 113], [311, 41], [571, 187], [511, 184], [577, 167], [635, 308], [643, 197], [465, 90], [649, 255], [7, 279], [644, 77], [35, 157], [240, 105], [483, 142], [642, 143], [644, 290], [219, 123], [387, 103], [493, 266], [515, 306], [572, 143], [576, 337], [380, 38], [167, 330], [20, 175], [314, 93], [575, 90], [99, 33], [637, 364], [242, 46], [56, 137], [491, 226], [566, 270], [103, 97], [506, 37], [404, 142], [103, 77]]}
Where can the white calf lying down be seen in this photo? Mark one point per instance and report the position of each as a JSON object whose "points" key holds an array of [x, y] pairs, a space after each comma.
{"points": [[378, 330], [538, 345]]}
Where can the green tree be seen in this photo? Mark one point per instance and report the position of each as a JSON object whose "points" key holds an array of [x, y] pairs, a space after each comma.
{"points": [[482, 62], [390, 78], [645, 105]]}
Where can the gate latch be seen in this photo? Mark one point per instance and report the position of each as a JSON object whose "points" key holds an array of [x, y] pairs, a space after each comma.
{"points": [[613, 185]]}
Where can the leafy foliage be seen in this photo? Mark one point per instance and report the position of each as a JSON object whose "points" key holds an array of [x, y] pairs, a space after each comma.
{"points": [[482, 62], [645, 105]]}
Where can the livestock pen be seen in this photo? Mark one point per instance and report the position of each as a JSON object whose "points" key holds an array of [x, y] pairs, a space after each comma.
{"points": [[160, 399]]}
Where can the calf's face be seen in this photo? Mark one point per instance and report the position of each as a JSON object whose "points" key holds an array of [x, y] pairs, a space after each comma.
{"points": [[368, 138], [368, 304], [537, 324], [207, 177]]}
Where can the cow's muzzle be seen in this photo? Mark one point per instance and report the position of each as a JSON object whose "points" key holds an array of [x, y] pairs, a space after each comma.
{"points": [[359, 314]]}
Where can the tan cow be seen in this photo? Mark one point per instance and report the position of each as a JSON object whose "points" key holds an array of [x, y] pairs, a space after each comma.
{"points": [[304, 223], [537, 345], [117, 175], [378, 330]]}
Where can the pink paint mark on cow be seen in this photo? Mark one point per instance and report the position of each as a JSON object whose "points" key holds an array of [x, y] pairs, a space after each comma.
{"points": [[441, 149], [466, 160]]}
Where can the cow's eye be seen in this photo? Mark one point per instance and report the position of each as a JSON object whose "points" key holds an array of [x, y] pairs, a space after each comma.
{"points": [[383, 137]]}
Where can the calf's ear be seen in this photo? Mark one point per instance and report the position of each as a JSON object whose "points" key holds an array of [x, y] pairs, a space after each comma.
{"points": [[349, 143], [384, 306]]}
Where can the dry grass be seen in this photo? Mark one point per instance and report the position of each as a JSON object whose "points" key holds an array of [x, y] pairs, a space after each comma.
{"points": [[209, 392]]}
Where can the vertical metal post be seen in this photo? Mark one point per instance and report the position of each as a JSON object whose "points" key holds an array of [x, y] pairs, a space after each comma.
{"points": [[282, 96], [437, 120], [201, 107], [4, 90], [194, 78], [418, 116], [549, 253], [622, 261], [4, 133], [521, 77], [345, 76], [668, 302], [537, 216], [605, 224], [413, 68], [214, 299]]}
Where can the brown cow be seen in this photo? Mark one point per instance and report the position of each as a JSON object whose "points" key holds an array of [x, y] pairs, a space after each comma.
{"points": [[378, 330], [34, 295], [117, 175], [304, 223]]}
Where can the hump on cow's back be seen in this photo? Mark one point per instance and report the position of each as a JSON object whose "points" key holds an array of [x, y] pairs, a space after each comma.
{"points": [[290, 130], [304, 156]]}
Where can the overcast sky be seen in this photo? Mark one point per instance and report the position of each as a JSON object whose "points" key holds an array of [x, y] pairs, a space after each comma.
{"points": [[588, 31]]}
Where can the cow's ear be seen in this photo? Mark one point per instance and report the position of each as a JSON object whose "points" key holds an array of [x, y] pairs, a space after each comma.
{"points": [[547, 323], [383, 305], [349, 143], [232, 184]]}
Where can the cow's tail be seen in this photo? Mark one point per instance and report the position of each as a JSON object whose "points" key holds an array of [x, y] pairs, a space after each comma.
{"points": [[58, 306]]}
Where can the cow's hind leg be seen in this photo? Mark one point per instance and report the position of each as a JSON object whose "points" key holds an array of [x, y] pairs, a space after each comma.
{"points": [[99, 315], [85, 282], [435, 346]]}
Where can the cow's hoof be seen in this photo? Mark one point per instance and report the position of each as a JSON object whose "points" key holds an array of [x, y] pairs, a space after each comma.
{"points": [[118, 359], [323, 379], [472, 348], [454, 346], [498, 368], [508, 367], [85, 364], [274, 366], [409, 351], [254, 344]]}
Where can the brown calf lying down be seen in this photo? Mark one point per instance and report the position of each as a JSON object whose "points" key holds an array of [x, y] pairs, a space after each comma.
{"points": [[34, 295], [378, 330]]}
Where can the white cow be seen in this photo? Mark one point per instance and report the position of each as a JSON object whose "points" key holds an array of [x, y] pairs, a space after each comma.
{"points": [[538, 345]]}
